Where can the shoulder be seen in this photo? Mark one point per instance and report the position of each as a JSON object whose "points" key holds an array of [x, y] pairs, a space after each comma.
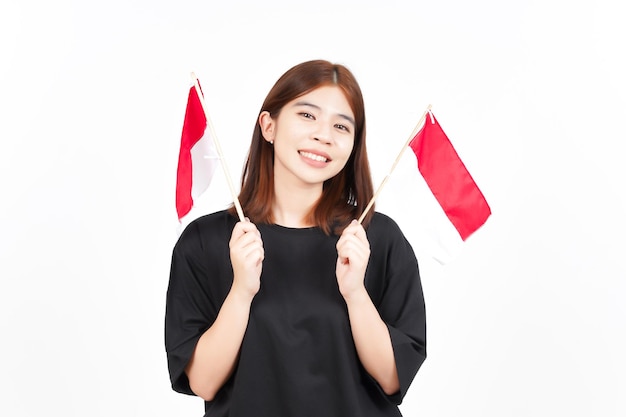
{"points": [[383, 226], [392, 266], [219, 221], [206, 231], [384, 234]]}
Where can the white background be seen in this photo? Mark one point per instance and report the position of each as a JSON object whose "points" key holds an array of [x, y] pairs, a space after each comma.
{"points": [[528, 320]]}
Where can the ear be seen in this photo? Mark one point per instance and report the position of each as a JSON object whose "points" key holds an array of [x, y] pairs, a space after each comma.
{"points": [[268, 126]]}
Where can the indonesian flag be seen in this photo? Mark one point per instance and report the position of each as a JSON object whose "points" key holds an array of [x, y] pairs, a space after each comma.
{"points": [[197, 158], [450, 206]]}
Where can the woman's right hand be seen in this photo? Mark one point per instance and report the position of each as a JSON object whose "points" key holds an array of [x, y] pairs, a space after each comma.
{"points": [[246, 257]]}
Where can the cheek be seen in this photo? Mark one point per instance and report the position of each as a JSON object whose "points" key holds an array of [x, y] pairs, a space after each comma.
{"points": [[346, 146], [344, 155]]}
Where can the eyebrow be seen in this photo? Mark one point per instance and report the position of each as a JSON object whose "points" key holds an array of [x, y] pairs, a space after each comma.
{"points": [[315, 106]]}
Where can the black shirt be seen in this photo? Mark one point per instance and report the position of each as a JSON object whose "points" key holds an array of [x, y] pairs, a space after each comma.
{"points": [[297, 357]]}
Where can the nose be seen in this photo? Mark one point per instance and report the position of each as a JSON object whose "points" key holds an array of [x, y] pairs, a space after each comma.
{"points": [[323, 133]]}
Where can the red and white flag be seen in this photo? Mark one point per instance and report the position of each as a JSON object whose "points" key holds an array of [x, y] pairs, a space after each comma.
{"points": [[448, 179], [198, 156], [452, 187]]}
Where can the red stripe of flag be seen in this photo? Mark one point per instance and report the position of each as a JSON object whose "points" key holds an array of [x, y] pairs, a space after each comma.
{"points": [[194, 127], [448, 179]]}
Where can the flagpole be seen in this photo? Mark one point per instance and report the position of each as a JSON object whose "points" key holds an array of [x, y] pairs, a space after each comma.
{"points": [[393, 167], [218, 148]]}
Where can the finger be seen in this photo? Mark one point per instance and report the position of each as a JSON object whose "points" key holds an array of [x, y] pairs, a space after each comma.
{"points": [[347, 251], [350, 228], [249, 238], [248, 226], [356, 250], [236, 233], [249, 242], [242, 229], [343, 243], [254, 253], [352, 257], [349, 240], [356, 228]]}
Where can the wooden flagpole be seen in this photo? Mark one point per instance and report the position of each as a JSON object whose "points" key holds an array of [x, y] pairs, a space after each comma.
{"points": [[219, 149], [393, 167]]}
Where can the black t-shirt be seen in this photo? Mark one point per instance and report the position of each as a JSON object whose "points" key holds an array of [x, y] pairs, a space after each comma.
{"points": [[297, 358]]}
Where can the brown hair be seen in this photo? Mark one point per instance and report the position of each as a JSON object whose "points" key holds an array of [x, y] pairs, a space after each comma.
{"points": [[344, 196]]}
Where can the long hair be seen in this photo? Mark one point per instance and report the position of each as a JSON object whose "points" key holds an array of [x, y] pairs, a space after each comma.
{"points": [[345, 195]]}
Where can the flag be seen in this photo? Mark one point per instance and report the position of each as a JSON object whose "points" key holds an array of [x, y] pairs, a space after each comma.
{"points": [[197, 158], [448, 179]]}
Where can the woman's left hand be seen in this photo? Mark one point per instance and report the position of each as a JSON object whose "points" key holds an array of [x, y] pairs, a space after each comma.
{"points": [[353, 252]]}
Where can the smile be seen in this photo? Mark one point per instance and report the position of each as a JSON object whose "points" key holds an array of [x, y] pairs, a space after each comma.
{"points": [[314, 157]]}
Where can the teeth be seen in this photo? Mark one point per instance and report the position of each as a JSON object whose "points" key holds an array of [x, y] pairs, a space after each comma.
{"points": [[313, 156]]}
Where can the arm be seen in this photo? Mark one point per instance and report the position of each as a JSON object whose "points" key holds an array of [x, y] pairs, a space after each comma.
{"points": [[215, 355], [370, 333], [373, 342]]}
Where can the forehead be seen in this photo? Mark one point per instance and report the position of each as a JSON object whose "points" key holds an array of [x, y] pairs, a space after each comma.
{"points": [[328, 98]]}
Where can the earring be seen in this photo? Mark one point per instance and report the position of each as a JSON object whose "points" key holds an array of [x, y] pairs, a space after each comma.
{"points": [[271, 142]]}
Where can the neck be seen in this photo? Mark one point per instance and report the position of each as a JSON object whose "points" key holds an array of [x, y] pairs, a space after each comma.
{"points": [[292, 204]]}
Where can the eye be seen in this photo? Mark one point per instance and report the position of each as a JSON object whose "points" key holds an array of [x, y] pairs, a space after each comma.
{"points": [[307, 115], [343, 127]]}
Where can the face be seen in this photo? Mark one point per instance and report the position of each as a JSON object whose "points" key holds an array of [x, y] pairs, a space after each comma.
{"points": [[313, 137]]}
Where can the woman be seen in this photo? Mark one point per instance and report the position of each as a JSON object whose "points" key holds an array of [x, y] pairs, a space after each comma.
{"points": [[300, 310]]}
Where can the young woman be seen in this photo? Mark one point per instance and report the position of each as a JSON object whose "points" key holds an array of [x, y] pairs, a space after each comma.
{"points": [[300, 310]]}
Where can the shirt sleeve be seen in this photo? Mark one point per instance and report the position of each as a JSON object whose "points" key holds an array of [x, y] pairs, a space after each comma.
{"points": [[192, 303], [401, 304]]}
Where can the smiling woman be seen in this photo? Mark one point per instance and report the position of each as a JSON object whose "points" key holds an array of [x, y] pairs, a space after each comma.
{"points": [[313, 139], [300, 310], [295, 92]]}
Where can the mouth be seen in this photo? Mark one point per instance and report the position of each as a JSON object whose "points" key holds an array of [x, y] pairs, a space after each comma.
{"points": [[314, 156]]}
